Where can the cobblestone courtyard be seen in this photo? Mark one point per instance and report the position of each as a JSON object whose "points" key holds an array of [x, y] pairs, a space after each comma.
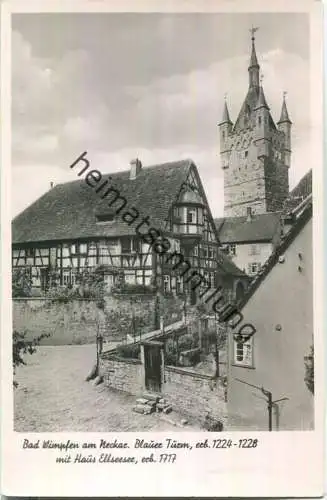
{"points": [[52, 396]]}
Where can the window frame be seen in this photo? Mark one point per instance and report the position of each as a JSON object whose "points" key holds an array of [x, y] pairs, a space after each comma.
{"points": [[247, 360], [232, 249], [250, 267]]}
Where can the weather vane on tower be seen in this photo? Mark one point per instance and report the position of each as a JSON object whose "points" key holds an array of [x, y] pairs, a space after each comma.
{"points": [[252, 31]]}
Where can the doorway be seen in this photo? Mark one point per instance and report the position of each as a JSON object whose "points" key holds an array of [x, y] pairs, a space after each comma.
{"points": [[153, 366]]}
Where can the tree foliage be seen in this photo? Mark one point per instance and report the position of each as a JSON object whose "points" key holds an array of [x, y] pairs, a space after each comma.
{"points": [[21, 346], [309, 370], [21, 283]]}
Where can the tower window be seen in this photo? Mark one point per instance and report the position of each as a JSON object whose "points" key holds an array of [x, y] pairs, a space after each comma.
{"points": [[223, 135], [246, 154], [259, 120]]}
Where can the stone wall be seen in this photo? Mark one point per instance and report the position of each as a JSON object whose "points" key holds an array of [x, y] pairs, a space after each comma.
{"points": [[122, 374], [76, 321], [71, 323], [194, 394], [128, 314], [191, 394]]}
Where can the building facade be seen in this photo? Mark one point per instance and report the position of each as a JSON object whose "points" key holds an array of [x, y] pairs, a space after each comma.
{"points": [[250, 240], [255, 152], [279, 304], [147, 227]]}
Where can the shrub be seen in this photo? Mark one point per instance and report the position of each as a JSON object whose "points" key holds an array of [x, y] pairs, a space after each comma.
{"points": [[130, 351], [21, 282], [187, 342], [132, 288], [22, 346], [213, 425], [309, 371], [62, 294], [91, 284]]}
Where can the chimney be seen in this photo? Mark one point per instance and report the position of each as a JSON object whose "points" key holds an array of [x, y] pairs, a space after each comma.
{"points": [[249, 214], [136, 167]]}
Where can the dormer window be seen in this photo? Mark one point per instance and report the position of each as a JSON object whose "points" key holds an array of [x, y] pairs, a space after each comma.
{"points": [[109, 217]]}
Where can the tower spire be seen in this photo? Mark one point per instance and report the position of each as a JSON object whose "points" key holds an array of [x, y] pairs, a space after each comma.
{"points": [[225, 117], [254, 66], [261, 102], [284, 117]]}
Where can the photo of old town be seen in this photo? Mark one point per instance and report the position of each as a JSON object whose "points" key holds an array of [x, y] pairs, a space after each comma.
{"points": [[162, 256]]}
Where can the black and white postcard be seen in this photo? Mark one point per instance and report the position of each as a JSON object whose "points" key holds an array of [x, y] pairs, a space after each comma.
{"points": [[162, 263]]}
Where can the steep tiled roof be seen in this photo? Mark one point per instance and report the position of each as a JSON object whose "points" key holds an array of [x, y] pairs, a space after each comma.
{"points": [[248, 106], [254, 99], [301, 191], [69, 210], [227, 267], [262, 227]]}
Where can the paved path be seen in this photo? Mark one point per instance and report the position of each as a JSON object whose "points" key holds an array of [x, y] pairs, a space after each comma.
{"points": [[53, 396]]}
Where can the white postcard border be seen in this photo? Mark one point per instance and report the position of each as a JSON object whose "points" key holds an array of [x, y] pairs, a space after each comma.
{"points": [[286, 463]]}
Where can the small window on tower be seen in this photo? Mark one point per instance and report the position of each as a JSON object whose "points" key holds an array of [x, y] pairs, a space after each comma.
{"points": [[246, 154], [259, 120], [223, 135]]}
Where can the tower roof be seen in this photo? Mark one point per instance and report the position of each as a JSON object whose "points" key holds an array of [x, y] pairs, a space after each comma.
{"points": [[261, 102], [253, 58], [284, 113], [225, 117]]}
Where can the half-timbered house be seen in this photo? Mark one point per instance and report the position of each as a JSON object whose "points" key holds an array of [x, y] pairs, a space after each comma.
{"points": [[74, 227]]}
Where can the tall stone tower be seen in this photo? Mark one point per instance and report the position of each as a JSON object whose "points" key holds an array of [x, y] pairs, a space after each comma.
{"points": [[255, 152]]}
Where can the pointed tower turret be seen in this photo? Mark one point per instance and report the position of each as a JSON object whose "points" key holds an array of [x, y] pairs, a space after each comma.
{"points": [[225, 130], [225, 117], [261, 102], [284, 113], [254, 67], [262, 124], [284, 125]]}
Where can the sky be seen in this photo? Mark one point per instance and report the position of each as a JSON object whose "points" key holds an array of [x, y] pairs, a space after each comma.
{"points": [[152, 86]]}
